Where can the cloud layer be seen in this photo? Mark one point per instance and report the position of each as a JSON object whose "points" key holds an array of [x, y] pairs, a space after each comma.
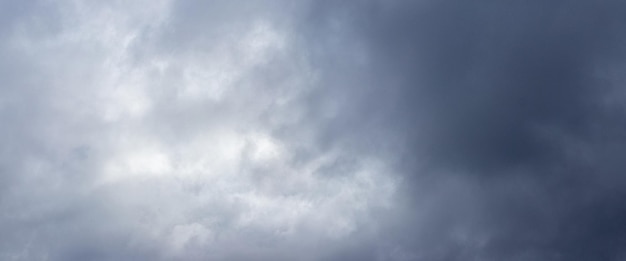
{"points": [[321, 130]]}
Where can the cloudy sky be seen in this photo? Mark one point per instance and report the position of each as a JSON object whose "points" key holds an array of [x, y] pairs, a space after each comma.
{"points": [[312, 130]]}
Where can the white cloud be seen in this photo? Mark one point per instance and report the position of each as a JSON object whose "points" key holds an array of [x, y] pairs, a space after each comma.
{"points": [[179, 153]]}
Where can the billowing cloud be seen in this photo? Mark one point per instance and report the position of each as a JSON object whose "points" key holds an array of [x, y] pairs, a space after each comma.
{"points": [[311, 130], [151, 130]]}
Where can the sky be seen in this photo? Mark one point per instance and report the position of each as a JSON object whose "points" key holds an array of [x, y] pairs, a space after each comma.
{"points": [[326, 130]]}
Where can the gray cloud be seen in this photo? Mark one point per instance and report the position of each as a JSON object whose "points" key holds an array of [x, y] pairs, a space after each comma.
{"points": [[150, 131], [513, 118], [371, 130]]}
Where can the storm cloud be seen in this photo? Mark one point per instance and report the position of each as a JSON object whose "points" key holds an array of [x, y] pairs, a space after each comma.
{"points": [[312, 130], [512, 114]]}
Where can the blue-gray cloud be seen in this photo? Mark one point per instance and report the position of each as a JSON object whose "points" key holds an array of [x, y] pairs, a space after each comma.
{"points": [[312, 130]]}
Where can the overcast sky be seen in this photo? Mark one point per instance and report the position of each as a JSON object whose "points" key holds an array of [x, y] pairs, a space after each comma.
{"points": [[361, 130]]}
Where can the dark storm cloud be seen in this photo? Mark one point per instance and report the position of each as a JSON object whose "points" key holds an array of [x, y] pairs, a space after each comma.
{"points": [[512, 112], [321, 130]]}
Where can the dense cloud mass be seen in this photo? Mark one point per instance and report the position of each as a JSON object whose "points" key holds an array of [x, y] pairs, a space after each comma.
{"points": [[312, 130]]}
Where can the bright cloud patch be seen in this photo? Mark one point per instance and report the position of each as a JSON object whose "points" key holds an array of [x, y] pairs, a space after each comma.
{"points": [[179, 151]]}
